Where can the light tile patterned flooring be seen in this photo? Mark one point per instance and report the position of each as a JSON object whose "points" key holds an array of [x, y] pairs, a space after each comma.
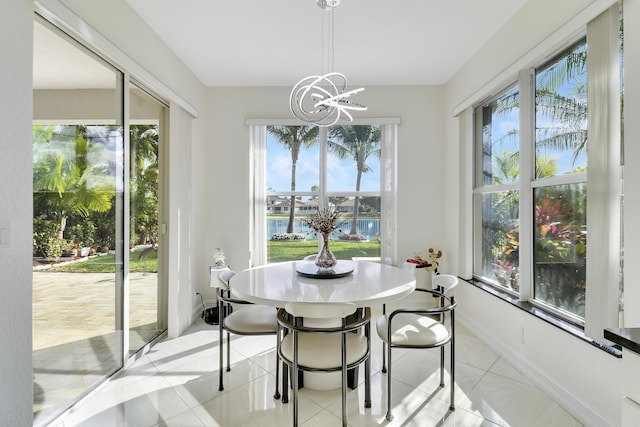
{"points": [[73, 332], [176, 384]]}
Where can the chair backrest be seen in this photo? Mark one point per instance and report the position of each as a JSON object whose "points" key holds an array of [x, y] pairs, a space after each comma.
{"points": [[225, 277], [311, 257], [446, 281], [320, 310]]}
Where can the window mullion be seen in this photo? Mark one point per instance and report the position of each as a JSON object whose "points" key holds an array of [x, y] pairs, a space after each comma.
{"points": [[322, 134], [527, 172]]}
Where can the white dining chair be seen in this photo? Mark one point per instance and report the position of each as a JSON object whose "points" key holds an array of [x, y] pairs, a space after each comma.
{"points": [[313, 344], [422, 327], [245, 318], [410, 267]]}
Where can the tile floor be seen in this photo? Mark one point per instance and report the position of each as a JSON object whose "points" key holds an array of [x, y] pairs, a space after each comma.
{"points": [[74, 341], [176, 384]]}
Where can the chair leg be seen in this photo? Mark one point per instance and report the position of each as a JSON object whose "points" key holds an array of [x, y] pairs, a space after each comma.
{"points": [[285, 373], [344, 379], [295, 378], [384, 364], [442, 366], [453, 367], [389, 415], [285, 383], [221, 344], [276, 395], [367, 369], [228, 351]]}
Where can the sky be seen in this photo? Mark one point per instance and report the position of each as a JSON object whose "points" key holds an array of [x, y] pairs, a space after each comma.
{"points": [[341, 176]]}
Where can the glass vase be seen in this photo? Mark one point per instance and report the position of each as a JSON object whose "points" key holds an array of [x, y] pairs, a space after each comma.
{"points": [[326, 259]]}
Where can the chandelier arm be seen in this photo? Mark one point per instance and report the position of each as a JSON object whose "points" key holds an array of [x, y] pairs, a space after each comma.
{"points": [[322, 100]]}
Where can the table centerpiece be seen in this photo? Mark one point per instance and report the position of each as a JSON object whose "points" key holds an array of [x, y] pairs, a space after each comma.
{"points": [[323, 223]]}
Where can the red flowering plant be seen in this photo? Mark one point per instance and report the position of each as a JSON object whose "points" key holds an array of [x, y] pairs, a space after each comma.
{"points": [[430, 263]]}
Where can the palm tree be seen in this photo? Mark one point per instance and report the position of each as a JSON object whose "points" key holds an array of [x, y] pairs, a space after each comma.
{"points": [[359, 143], [68, 181], [561, 95], [294, 137], [144, 183]]}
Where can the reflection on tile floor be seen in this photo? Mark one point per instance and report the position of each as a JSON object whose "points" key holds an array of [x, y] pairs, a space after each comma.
{"points": [[74, 340], [176, 384]]}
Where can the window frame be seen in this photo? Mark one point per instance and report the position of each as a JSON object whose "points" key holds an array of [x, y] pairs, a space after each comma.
{"points": [[603, 279], [387, 193]]}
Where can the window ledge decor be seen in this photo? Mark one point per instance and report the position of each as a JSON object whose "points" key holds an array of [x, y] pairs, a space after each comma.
{"points": [[430, 263]]}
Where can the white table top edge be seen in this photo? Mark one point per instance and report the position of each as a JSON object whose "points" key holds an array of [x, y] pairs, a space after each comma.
{"points": [[371, 283]]}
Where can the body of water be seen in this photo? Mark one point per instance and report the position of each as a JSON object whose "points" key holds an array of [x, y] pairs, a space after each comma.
{"points": [[368, 227]]}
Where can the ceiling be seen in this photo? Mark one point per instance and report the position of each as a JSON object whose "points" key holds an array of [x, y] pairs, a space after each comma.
{"points": [[278, 42]]}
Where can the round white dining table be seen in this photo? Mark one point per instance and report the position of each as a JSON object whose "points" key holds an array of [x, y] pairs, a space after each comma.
{"points": [[369, 284]]}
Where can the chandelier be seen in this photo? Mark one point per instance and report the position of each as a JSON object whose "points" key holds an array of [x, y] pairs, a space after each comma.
{"points": [[323, 100]]}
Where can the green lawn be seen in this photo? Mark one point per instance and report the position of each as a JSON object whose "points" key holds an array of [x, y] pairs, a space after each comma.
{"points": [[287, 251], [106, 264], [278, 251]]}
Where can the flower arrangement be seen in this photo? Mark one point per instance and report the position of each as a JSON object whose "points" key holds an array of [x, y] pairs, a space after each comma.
{"points": [[324, 221], [219, 260], [430, 264], [419, 261]]}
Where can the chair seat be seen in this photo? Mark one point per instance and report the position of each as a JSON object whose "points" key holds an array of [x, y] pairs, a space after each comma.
{"points": [[252, 320], [413, 330], [323, 351]]}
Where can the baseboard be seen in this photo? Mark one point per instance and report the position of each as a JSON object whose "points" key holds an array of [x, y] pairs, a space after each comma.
{"points": [[548, 385]]}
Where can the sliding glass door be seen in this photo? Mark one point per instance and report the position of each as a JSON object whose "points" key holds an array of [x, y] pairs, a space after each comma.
{"points": [[98, 292], [147, 304]]}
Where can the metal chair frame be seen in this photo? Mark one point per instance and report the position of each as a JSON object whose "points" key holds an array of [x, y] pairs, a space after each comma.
{"points": [[226, 300], [289, 323], [447, 305]]}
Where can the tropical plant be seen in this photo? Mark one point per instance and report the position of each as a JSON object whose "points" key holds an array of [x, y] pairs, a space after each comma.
{"points": [[359, 143], [82, 233], [70, 176], [558, 236], [46, 243], [294, 138], [144, 183]]}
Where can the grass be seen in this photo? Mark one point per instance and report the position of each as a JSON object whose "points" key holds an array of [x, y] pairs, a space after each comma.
{"points": [[287, 251], [278, 251], [106, 264]]}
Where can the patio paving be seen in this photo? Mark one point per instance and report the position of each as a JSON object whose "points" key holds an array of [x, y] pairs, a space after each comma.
{"points": [[75, 343]]}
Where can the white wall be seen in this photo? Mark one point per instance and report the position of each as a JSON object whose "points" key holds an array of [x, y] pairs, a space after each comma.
{"points": [[585, 380], [221, 163], [16, 41]]}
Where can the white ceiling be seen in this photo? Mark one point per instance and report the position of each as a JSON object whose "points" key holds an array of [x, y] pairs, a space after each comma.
{"points": [[277, 42]]}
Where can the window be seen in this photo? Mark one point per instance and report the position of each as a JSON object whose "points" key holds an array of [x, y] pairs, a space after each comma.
{"points": [[497, 189], [559, 185], [557, 188], [306, 167], [532, 188]]}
